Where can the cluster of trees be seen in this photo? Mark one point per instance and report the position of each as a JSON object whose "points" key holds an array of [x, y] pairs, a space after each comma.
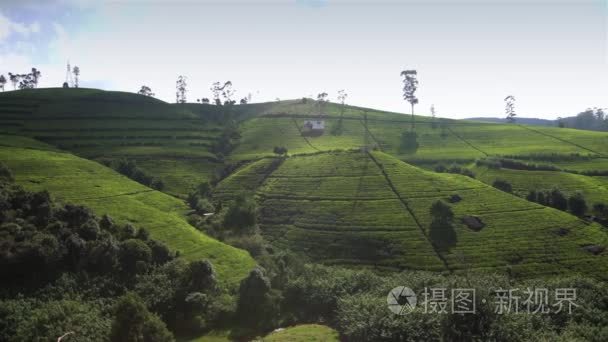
{"points": [[497, 163], [456, 169], [555, 198], [22, 81], [129, 168], [62, 269], [595, 119], [354, 302]]}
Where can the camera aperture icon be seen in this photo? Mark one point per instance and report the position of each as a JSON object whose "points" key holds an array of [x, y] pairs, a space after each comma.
{"points": [[401, 300]]}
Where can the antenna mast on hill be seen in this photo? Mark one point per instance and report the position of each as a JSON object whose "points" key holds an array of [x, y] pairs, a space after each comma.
{"points": [[68, 76]]}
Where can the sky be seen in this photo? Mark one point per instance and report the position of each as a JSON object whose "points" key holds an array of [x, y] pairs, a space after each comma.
{"points": [[551, 55]]}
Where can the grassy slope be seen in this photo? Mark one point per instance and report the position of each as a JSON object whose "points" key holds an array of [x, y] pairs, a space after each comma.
{"points": [[80, 181], [304, 333], [169, 141], [340, 208]]}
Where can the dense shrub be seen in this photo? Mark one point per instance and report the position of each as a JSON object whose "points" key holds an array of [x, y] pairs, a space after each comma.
{"points": [[503, 185], [456, 169], [133, 322], [130, 169], [241, 214], [441, 231]]}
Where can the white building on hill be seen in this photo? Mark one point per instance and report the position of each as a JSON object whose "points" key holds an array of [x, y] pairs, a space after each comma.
{"points": [[314, 125]]}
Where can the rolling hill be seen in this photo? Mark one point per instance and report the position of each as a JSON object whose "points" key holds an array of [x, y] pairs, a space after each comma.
{"points": [[166, 140], [327, 199], [362, 209], [71, 179]]}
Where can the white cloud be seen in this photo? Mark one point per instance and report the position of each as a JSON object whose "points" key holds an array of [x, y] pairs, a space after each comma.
{"points": [[7, 27]]}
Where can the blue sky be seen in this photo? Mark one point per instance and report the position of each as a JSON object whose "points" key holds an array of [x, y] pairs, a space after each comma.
{"points": [[551, 55]]}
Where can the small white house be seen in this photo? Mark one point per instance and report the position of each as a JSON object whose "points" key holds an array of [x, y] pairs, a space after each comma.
{"points": [[314, 125]]}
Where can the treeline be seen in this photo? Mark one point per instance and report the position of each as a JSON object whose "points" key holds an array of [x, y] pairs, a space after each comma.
{"points": [[507, 163], [65, 270], [456, 169], [594, 119], [575, 203], [129, 168]]}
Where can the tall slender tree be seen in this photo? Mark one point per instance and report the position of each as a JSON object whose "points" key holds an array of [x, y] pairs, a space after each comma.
{"points": [[180, 86], [76, 72], [410, 85], [342, 95], [510, 108], [2, 82]]}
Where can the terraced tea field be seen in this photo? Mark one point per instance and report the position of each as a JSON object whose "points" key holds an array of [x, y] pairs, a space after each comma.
{"points": [[166, 140], [326, 200], [358, 209], [80, 181], [594, 188]]}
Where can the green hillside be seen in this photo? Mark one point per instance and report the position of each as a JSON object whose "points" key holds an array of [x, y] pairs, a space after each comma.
{"points": [[169, 141], [304, 333], [80, 181], [358, 209], [342, 207]]}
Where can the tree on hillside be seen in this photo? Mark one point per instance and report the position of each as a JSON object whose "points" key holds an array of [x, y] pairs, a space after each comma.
{"points": [[337, 129], [180, 86], [2, 82], [227, 93], [410, 85], [510, 108], [577, 204], [76, 72], [146, 91], [14, 79], [255, 302], [133, 322], [441, 231], [280, 150], [342, 95], [557, 199], [35, 77], [322, 98], [503, 185], [216, 90]]}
